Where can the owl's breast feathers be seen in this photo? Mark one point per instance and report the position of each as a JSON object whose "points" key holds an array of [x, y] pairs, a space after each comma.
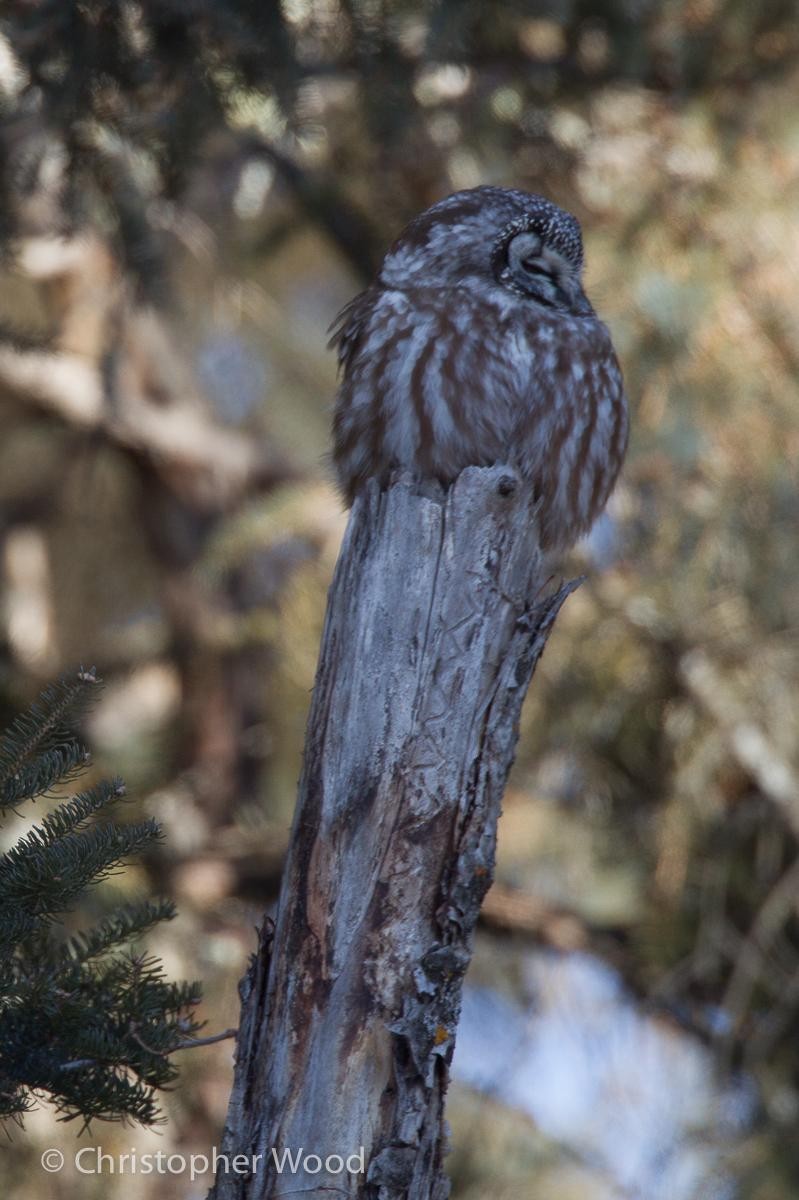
{"points": [[572, 432], [437, 379]]}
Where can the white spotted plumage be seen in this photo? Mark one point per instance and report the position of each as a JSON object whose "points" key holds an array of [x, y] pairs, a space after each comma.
{"points": [[475, 345]]}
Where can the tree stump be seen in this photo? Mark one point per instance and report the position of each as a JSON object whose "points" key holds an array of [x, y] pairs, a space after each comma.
{"points": [[435, 622]]}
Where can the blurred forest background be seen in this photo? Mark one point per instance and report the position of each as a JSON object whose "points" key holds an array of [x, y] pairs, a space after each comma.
{"points": [[188, 193]]}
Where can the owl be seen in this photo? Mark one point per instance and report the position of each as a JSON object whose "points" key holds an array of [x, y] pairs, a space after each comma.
{"points": [[476, 345]]}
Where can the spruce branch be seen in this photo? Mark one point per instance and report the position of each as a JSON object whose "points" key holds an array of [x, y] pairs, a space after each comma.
{"points": [[86, 1022], [121, 927], [41, 730], [39, 881]]}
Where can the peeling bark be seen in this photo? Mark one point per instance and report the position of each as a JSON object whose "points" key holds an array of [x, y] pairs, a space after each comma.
{"points": [[435, 623]]}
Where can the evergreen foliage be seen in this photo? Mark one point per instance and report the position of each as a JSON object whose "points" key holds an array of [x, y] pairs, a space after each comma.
{"points": [[110, 85], [84, 1021]]}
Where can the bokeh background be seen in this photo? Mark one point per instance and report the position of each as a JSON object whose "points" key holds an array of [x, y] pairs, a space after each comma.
{"points": [[188, 193]]}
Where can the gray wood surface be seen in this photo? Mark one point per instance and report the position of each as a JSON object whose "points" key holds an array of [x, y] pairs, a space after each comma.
{"points": [[438, 612]]}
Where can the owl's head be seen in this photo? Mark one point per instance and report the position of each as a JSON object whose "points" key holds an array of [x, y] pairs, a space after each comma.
{"points": [[498, 238]]}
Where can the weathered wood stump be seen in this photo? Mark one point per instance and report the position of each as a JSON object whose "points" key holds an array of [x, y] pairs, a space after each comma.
{"points": [[435, 623]]}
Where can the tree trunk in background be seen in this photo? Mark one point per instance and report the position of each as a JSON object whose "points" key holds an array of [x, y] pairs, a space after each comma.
{"points": [[434, 627]]}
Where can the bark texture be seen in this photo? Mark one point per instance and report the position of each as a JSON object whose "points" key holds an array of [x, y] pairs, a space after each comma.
{"points": [[434, 625]]}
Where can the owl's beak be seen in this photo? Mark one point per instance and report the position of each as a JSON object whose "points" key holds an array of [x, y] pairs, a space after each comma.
{"points": [[580, 302]]}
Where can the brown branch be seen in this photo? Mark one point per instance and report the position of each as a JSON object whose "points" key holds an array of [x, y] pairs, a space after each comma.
{"points": [[191, 1043], [116, 369], [749, 744], [515, 911], [186, 1044], [208, 463]]}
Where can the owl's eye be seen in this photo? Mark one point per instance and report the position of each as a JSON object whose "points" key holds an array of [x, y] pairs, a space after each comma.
{"points": [[534, 266], [524, 251], [530, 269]]}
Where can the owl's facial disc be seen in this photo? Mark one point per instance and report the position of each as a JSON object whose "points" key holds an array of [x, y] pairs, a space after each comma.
{"points": [[541, 273]]}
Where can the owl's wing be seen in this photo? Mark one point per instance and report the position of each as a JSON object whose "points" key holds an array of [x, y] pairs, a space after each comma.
{"points": [[348, 327]]}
